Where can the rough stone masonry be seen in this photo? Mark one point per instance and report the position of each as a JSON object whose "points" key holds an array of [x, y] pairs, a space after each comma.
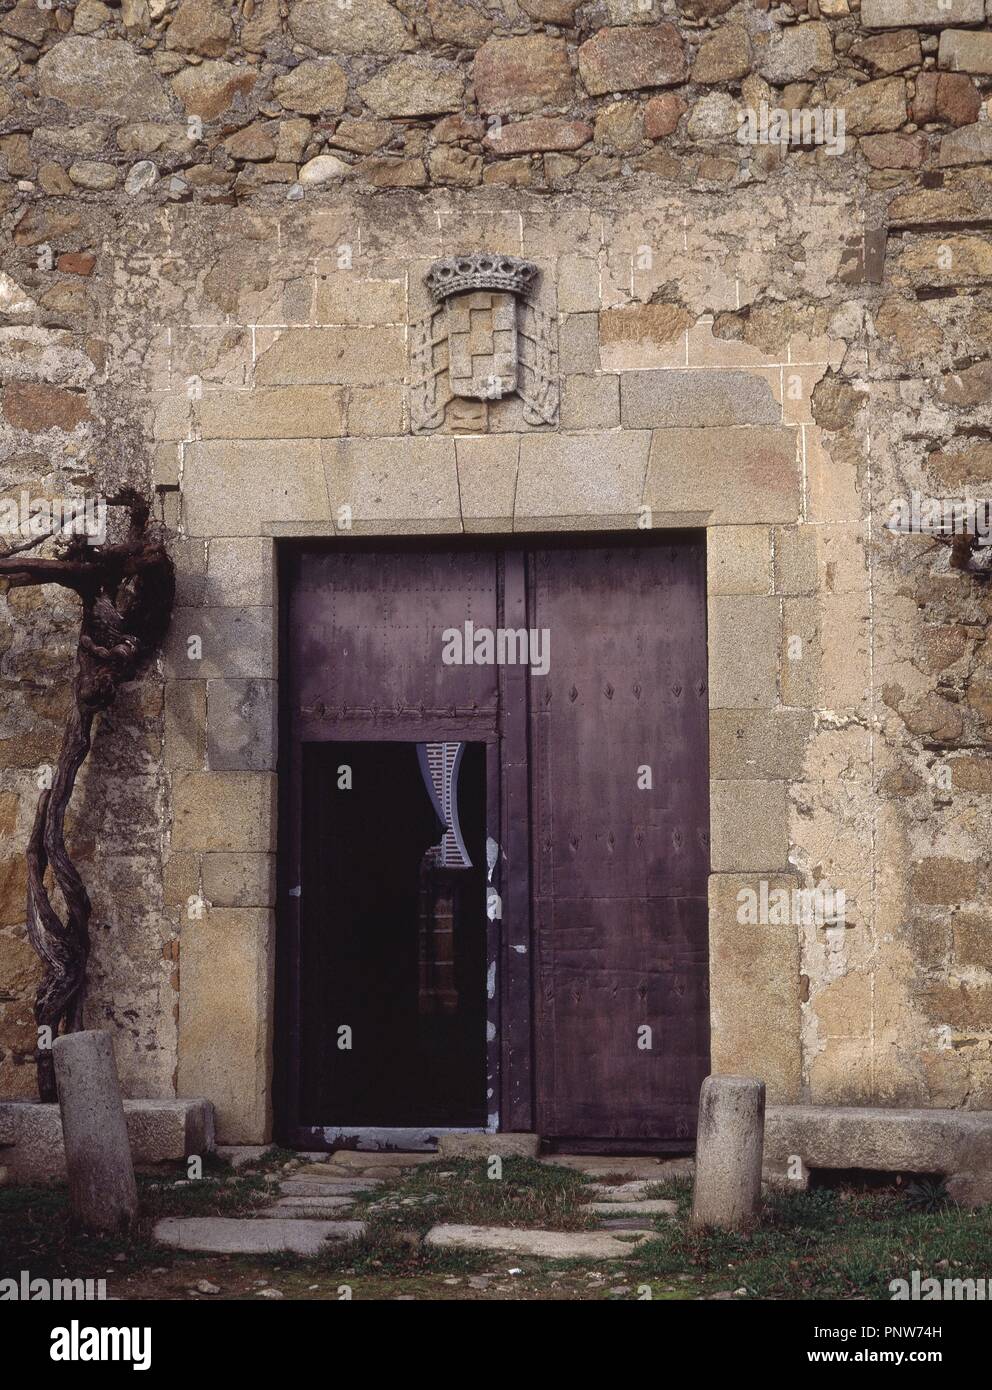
{"points": [[215, 223]]}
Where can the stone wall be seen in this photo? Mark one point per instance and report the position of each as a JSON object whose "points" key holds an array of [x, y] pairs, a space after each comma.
{"points": [[216, 101], [215, 226]]}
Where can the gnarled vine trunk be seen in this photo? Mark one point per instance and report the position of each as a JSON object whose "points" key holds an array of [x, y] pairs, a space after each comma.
{"points": [[127, 590]]}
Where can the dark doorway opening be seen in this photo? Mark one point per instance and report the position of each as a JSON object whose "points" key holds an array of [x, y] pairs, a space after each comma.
{"points": [[393, 934]]}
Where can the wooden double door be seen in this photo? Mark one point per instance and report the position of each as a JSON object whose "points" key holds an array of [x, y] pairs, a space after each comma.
{"points": [[494, 841]]}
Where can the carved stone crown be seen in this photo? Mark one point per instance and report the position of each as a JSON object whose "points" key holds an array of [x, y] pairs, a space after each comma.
{"points": [[481, 270]]}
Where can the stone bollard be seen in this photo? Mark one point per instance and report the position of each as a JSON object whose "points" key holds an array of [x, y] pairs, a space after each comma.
{"points": [[102, 1191], [729, 1143]]}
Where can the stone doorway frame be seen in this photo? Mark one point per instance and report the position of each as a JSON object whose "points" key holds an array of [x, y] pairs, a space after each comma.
{"points": [[225, 819]]}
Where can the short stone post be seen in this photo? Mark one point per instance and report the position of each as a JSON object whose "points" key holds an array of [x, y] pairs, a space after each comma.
{"points": [[102, 1191], [729, 1142]]}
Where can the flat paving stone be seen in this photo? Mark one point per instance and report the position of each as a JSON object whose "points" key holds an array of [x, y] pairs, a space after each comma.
{"points": [[382, 1174], [470, 1144], [340, 1187], [556, 1245], [621, 1191], [293, 1203], [638, 1166], [654, 1206], [371, 1160], [329, 1207], [245, 1235], [300, 1204], [378, 1158], [325, 1172]]}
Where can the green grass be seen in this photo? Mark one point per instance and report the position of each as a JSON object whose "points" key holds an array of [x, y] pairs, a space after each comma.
{"points": [[536, 1195], [832, 1245], [388, 1251], [837, 1244], [36, 1232]]}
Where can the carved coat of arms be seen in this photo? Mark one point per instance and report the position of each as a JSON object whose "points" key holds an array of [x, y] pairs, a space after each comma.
{"points": [[485, 339]]}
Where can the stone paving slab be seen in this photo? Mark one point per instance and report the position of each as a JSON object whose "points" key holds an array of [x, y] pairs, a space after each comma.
{"points": [[560, 1245], [384, 1174], [325, 1172], [351, 1163], [340, 1187], [474, 1145], [622, 1191], [638, 1166], [656, 1206], [371, 1162], [304, 1207], [294, 1203], [230, 1235]]}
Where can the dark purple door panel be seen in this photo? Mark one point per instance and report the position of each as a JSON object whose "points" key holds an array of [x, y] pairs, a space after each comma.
{"points": [[620, 834], [566, 965]]}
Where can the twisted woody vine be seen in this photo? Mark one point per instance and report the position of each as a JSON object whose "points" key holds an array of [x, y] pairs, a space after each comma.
{"points": [[126, 589]]}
